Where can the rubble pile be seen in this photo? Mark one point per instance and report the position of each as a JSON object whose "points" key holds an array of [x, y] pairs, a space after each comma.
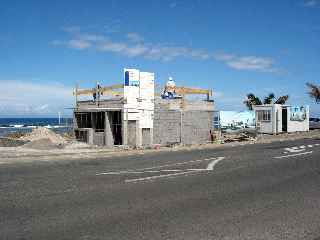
{"points": [[43, 139], [40, 133], [240, 137]]}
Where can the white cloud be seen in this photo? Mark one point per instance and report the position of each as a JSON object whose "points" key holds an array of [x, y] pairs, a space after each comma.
{"points": [[22, 97], [113, 47], [253, 63], [311, 3], [153, 51], [134, 45], [135, 37], [91, 37], [79, 44], [224, 57], [71, 29], [166, 53], [199, 54], [137, 50]]}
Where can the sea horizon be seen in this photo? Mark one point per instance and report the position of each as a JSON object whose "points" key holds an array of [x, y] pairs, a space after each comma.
{"points": [[26, 124]]}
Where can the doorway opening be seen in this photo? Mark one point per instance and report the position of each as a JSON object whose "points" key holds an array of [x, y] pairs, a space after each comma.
{"points": [[115, 119], [284, 120]]}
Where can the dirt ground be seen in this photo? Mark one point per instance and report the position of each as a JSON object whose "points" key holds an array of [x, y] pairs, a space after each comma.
{"points": [[43, 149]]}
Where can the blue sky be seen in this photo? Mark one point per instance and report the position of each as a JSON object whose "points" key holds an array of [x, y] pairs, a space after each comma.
{"points": [[233, 47]]}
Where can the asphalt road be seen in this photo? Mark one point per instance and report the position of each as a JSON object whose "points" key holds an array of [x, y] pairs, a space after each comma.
{"points": [[269, 191]]}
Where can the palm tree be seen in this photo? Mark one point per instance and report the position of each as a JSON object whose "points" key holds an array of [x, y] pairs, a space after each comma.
{"points": [[268, 99], [314, 92], [282, 100], [251, 101]]}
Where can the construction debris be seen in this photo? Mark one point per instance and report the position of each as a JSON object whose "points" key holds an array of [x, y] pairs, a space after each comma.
{"points": [[239, 137], [43, 139], [40, 133], [42, 144], [11, 142]]}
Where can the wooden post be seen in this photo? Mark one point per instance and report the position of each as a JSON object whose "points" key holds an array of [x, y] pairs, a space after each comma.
{"points": [[76, 93]]}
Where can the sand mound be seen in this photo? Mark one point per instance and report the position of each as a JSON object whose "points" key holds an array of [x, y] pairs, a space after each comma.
{"points": [[42, 144], [40, 133]]}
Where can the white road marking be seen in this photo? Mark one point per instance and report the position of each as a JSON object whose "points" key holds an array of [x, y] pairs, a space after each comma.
{"points": [[161, 176], [294, 150], [213, 163], [185, 172], [141, 170], [298, 149], [170, 172], [294, 155]]}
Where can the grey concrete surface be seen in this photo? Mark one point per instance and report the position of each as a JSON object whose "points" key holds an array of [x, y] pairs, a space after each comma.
{"points": [[266, 191], [194, 126]]}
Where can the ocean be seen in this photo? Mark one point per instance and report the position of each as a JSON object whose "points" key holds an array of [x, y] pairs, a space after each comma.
{"points": [[12, 125]]}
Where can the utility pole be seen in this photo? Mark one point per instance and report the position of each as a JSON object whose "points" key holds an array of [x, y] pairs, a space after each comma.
{"points": [[59, 114]]}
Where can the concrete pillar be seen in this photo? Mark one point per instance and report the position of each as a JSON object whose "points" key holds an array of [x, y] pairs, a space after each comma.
{"points": [[138, 134], [109, 141], [181, 127], [151, 136], [93, 118], [90, 136], [75, 122], [125, 127], [274, 120]]}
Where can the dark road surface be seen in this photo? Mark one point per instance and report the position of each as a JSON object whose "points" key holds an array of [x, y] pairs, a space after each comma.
{"points": [[269, 191]]}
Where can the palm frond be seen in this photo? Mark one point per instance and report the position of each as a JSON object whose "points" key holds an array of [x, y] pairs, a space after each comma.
{"points": [[282, 99], [268, 99], [314, 92]]}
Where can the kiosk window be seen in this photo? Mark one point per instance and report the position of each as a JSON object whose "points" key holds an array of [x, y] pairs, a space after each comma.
{"points": [[264, 115]]}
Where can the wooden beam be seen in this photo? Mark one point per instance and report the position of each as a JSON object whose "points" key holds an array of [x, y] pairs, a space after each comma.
{"points": [[101, 90]]}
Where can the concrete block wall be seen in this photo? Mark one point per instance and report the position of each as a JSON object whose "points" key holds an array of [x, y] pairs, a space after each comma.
{"points": [[98, 138], [186, 127], [132, 133], [166, 127], [185, 105], [105, 103], [196, 127]]}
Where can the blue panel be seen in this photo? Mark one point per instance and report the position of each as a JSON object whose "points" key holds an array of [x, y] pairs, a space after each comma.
{"points": [[126, 78]]}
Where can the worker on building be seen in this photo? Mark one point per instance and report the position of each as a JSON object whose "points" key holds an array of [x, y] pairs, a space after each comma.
{"points": [[169, 90], [96, 93]]}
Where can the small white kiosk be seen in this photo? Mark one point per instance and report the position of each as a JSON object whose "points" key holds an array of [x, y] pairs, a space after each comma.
{"points": [[277, 118]]}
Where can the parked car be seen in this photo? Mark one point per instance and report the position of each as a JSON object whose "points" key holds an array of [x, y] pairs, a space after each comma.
{"points": [[314, 123]]}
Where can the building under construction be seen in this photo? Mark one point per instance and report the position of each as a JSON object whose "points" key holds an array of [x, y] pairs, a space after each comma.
{"points": [[132, 114]]}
